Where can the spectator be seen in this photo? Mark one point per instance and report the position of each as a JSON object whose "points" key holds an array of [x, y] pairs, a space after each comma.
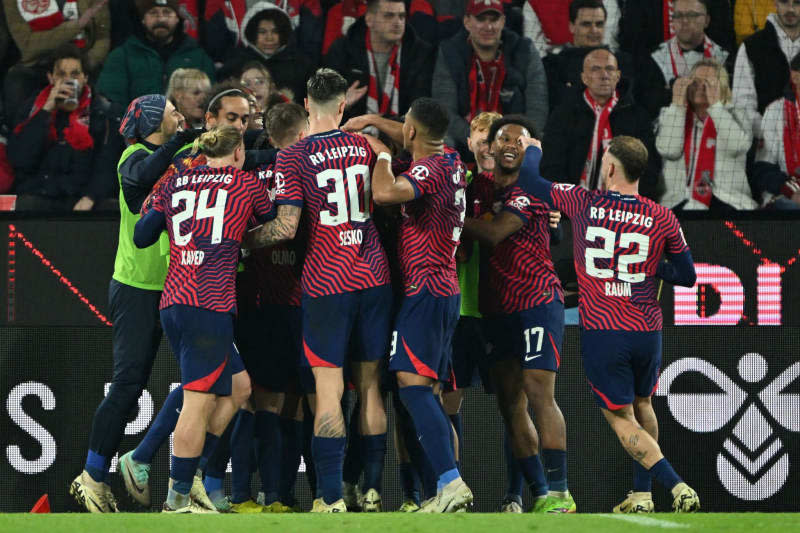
{"points": [[267, 38], [762, 62], [676, 57], [579, 130], [256, 78], [587, 19], [58, 144], [647, 23], [549, 24], [145, 61], [704, 140], [39, 27], [485, 67], [386, 57], [224, 22], [187, 90], [776, 174], [749, 16]]}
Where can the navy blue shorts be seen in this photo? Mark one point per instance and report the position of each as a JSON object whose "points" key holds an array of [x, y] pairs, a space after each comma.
{"points": [[469, 352], [621, 364], [533, 335], [202, 342], [423, 335], [356, 323]]}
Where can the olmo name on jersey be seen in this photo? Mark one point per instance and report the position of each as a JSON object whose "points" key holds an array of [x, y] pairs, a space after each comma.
{"points": [[283, 257]]}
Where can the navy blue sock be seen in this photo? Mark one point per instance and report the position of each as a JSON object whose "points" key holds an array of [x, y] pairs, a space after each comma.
{"points": [[663, 472], [410, 480], [533, 471], [268, 435], [163, 425], [182, 473], [97, 466], [416, 454], [433, 427], [512, 468], [328, 458], [217, 464], [555, 463], [373, 449], [308, 456], [214, 487], [241, 445], [209, 446], [642, 480]]}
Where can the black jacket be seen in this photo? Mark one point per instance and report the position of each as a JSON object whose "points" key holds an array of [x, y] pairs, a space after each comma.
{"points": [[348, 56], [642, 26], [769, 64], [55, 169], [564, 71], [568, 135]]}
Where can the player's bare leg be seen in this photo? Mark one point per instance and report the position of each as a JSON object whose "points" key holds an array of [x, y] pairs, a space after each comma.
{"points": [[640, 499], [434, 433], [644, 449], [372, 430], [189, 438], [540, 390]]}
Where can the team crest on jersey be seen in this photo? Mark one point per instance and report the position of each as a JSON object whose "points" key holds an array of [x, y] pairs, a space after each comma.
{"points": [[563, 186], [521, 202], [419, 172]]}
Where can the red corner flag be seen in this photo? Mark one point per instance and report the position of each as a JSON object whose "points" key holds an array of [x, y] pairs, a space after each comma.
{"points": [[42, 506]]}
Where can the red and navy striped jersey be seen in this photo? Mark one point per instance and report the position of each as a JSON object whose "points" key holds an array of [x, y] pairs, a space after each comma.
{"points": [[431, 225], [618, 242], [521, 271], [328, 175], [206, 211], [278, 268]]}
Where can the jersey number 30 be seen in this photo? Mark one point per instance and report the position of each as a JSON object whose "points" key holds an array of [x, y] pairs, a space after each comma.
{"points": [[609, 239], [337, 197], [217, 213]]}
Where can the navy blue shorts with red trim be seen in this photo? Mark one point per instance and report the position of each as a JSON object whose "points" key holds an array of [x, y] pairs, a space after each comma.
{"points": [[202, 341], [422, 340], [355, 323], [620, 365], [533, 335]]}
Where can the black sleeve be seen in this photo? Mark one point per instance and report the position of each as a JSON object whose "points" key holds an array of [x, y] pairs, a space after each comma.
{"points": [[141, 171], [26, 148], [767, 177], [678, 269], [255, 158], [108, 146]]}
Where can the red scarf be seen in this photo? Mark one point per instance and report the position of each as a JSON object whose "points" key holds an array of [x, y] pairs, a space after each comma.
{"points": [[77, 131], [485, 82], [679, 66], [601, 136], [669, 29], [44, 15], [385, 101], [704, 155]]}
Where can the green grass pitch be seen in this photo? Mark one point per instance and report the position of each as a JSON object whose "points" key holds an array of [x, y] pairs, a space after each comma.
{"points": [[397, 522]]}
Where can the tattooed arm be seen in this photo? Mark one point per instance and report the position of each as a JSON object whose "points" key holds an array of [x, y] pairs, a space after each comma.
{"points": [[282, 228]]}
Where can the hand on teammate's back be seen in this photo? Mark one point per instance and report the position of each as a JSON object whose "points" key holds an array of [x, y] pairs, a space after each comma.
{"points": [[356, 124]]}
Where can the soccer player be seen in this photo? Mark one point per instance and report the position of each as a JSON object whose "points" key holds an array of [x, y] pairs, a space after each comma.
{"points": [[273, 367], [227, 105], [433, 208], [619, 239], [134, 292], [345, 282], [205, 211], [523, 309]]}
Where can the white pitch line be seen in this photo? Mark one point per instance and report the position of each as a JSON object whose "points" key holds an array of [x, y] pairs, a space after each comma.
{"points": [[646, 521]]}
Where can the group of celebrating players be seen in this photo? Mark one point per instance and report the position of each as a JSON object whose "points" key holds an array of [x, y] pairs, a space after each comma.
{"points": [[301, 242]]}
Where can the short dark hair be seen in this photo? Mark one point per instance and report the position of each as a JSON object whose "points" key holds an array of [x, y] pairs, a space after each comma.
{"points": [[69, 51], [284, 120], [577, 5], [519, 120], [222, 90], [325, 85], [632, 155], [432, 115], [278, 17], [372, 5]]}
